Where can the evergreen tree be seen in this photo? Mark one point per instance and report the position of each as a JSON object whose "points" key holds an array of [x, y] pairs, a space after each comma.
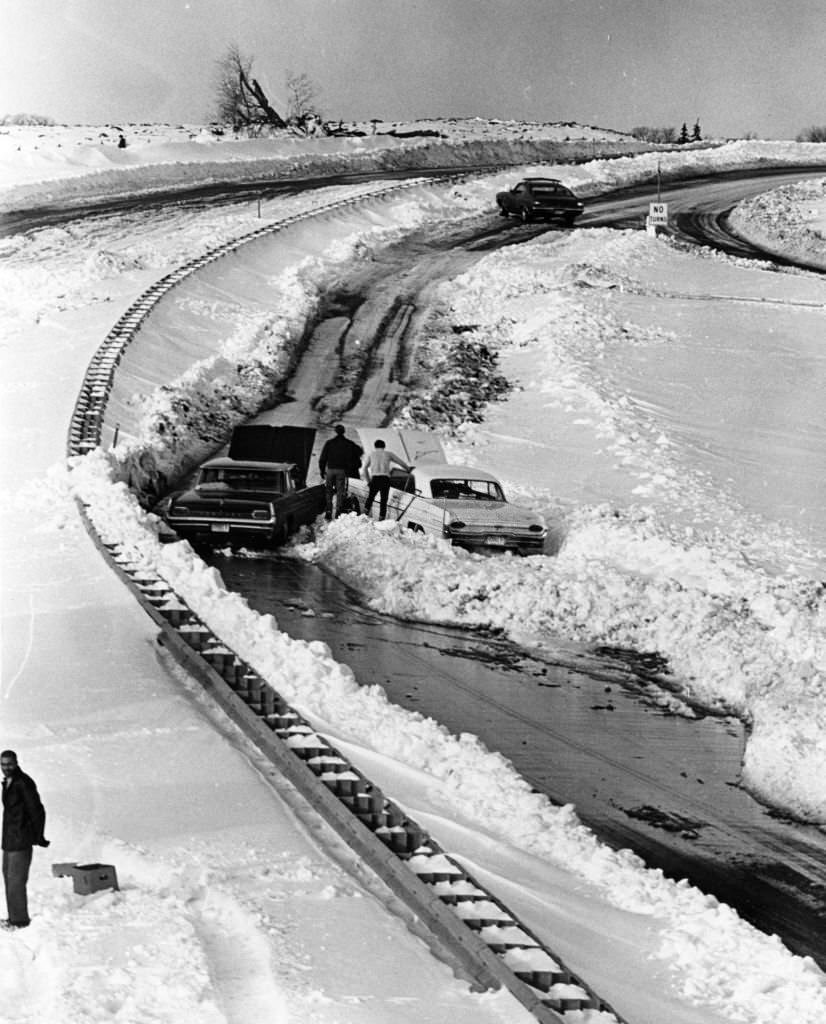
{"points": [[683, 139], [696, 135]]}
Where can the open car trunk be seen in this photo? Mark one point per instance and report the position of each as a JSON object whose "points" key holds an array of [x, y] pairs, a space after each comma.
{"points": [[263, 443]]}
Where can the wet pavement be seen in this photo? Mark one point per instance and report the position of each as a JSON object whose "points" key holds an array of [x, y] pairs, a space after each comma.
{"points": [[584, 728]]}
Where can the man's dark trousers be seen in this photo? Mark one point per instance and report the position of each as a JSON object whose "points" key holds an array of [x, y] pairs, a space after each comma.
{"points": [[335, 483], [16, 864], [378, 485]]}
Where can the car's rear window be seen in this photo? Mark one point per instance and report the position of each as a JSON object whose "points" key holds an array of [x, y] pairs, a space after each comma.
{"points": [[550, 190], [244, 480], [464, 489]]}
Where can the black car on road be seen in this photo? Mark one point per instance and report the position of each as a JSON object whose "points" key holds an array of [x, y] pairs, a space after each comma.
{"points": [[540, 199]]}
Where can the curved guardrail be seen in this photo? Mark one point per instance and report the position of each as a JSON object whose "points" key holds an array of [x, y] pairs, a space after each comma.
{"points": [[468, 926]]}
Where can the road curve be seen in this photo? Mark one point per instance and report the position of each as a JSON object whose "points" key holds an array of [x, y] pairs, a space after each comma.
{"points": [[699, 208], [565, 726]]}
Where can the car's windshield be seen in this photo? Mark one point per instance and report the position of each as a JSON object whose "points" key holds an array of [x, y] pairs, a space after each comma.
{"points": [[466, 489], [243, 479]]}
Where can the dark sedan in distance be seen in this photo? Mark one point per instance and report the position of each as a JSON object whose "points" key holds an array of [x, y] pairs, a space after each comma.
{"points": [[540, 199]]}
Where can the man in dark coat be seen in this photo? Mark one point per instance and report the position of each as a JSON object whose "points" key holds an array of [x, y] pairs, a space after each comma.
{"points": [[340, 457], [24, 821]]}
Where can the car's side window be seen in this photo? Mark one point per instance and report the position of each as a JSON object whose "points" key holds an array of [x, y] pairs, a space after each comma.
{"points": [[444, 489], [519, 190]]}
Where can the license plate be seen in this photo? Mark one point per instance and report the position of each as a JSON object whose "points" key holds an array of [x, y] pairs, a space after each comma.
{"points": [[219, 527], [495, 540]]}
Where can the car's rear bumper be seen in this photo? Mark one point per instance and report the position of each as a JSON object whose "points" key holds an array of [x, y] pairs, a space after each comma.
{"points": [[218, 533], [532, 544], [541, 214]]}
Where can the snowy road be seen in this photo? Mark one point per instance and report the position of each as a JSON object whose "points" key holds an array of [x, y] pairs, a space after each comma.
{"points": [[371, 320], [674, 800], [193, 199], [583, 728], [696, 208]]}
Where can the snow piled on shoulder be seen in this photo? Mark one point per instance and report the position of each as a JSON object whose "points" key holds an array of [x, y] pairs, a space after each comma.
{"points": [[788, 221], [735, 639]]}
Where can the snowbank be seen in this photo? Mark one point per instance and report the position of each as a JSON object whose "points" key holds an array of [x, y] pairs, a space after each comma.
{"points": [[46, 165], [788, 221]]}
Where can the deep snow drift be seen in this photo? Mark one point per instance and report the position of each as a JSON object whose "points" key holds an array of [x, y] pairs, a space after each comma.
{"points": [[669, 952]]}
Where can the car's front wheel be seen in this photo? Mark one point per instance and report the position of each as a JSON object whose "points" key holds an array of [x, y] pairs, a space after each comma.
{"points": [[524, 215], [502, 211]]}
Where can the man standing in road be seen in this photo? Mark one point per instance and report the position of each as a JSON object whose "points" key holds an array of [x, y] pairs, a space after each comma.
{"points": [[377, 475], [340, 457], [24, 821]]}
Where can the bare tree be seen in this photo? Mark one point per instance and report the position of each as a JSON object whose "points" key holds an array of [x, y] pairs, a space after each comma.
{"points": [[648, 134], [817, 133], [302, 95], [240, 100]]}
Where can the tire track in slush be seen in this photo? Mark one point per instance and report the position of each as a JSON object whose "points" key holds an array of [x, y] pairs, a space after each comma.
{"points": [[239, 959]]}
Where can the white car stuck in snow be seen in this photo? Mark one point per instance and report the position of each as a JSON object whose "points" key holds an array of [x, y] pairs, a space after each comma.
{"points": [[462, 504]]}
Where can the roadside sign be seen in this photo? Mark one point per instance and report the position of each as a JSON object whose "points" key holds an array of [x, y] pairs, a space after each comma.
{"points": [[658, 213]]}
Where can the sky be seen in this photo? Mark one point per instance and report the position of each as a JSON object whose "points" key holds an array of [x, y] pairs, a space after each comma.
{"points": [[740, 67], [231, 907]]}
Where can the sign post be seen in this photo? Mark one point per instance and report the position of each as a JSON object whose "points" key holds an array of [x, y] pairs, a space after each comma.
{"points": [[657, 217]]}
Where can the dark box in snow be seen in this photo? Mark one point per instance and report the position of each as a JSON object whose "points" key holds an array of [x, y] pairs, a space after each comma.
{"points": [[88, 878]]}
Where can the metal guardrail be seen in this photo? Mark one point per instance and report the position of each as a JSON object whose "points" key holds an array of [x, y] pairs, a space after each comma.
{"points": [[467, 924]]}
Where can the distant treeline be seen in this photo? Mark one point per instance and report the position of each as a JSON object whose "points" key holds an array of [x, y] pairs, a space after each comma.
{"points": [[26, 119], [668, 134]]}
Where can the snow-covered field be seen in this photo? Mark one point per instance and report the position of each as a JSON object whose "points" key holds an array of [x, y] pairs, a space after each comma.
{"points": [[80, 163], [664, 545]]}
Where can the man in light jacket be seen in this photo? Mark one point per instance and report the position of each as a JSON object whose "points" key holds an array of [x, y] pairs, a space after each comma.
{"points": [[377, 475], [24, 821]]}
